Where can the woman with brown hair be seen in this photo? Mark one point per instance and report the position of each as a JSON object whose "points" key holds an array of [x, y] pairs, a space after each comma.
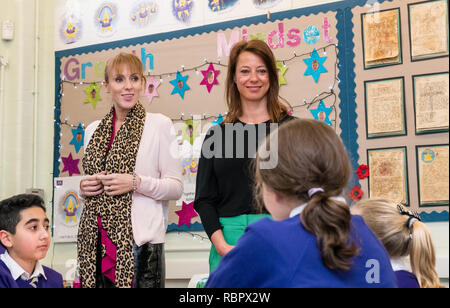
{"points": [[313, 240], [223, 195], [130, 175], [403, 235]]}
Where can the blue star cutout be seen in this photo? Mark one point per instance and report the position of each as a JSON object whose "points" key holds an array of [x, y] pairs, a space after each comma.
{"points": [[315, 65], [78, 137], [219, 120], [322, 113], [179, 84]]}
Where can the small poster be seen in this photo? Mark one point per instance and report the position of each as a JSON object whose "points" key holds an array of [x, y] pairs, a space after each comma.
{"points": [[433, 175], [428, 29], [388, 174], [385, 108], [381, 38], [67, 208], [431, 103]]}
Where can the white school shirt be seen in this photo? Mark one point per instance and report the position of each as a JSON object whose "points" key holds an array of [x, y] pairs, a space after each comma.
{"points": [[17, 271], [159, 167]]}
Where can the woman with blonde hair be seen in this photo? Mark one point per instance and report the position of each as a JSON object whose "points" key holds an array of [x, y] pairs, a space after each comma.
{"points": [[402, 234]]}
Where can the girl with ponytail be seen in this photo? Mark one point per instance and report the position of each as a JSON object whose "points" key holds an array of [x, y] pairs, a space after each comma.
{"points": [[402, 234], [313, 240]]}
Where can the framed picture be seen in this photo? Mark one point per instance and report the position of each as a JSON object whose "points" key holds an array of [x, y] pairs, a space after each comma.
{"points": [[428, 29], [432, 174], [385, 107], [388, 174], [381, 37], [431, 93]]}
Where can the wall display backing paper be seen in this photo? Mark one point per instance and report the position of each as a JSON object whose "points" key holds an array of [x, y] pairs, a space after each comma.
{"points": [[385, 107], [431, 93], [199, 46], [428, 27], [407, 70], [433, 174], [163, 59]]}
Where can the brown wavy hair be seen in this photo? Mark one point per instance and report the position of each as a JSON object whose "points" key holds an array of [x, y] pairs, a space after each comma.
{"points": [[276, 109], [311, 155]]}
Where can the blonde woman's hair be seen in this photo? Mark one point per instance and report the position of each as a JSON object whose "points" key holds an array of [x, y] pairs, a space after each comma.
{"points": [[113, 65], [401, 240]]}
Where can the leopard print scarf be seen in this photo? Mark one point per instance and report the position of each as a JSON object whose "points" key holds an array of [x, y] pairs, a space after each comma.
{"points": [[114, 212]]}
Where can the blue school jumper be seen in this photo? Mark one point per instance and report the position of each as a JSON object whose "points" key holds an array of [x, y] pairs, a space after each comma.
{"points": [[54, 279]]}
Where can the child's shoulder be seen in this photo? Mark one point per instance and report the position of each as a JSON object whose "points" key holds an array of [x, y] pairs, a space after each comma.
{"points": [[6, 279], [53, 277]]}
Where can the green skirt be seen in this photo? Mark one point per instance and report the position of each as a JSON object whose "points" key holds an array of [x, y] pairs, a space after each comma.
{"points": [[233, 228]]}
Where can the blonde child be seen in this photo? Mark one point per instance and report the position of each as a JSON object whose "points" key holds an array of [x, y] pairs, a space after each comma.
{"points": [[402, 234]]}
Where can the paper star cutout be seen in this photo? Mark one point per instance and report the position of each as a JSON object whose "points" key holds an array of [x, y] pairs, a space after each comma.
{"points": [[322, 113], [315, 65], [70, 165], [92, 94], [186, 213], [210, 77], [78, 137], [219, 120], [282, 68], [179, 84], [150, 88], [190, 131]]}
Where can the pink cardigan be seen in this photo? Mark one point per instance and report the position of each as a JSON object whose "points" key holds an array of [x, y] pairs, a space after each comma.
{"points": [[159, 167]]}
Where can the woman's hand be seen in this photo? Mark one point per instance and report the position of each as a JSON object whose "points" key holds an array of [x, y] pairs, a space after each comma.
{"points": [[91, 185], [218, 240], [117, 184]]}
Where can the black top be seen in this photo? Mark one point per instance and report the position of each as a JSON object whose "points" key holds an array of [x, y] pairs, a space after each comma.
{"points": [[224, 186]]}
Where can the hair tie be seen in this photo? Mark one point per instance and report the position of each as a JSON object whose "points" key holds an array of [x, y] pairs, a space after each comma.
{"points": [[413, 215], [314, 191]]}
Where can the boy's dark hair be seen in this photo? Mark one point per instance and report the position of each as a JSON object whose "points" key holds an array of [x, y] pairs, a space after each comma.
{"points": [[10, 210]]}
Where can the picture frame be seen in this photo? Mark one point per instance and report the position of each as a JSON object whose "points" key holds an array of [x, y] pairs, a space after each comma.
{"points": [[431, 103], [428, 29], [389, 174], [385, 107], [433, 174], [386, 24]]}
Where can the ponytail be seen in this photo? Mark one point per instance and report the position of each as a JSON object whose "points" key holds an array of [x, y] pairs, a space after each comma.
{"points": [[422, 256], [329, 221]]}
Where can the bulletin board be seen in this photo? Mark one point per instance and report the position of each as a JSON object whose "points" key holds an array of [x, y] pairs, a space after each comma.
{"points": [[322, 73]]}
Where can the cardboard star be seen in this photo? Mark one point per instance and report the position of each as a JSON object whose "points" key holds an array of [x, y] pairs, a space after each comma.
{"points": [[322, 113], [78, 137], [186, 214], [210, 77], [219, 120], [281, 69], [315, 65], [92, 94], [70, 165], [150, 88], [179, 84]]}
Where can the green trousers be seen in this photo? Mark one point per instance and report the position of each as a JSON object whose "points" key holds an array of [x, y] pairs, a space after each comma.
{"points": [[233, 228]]}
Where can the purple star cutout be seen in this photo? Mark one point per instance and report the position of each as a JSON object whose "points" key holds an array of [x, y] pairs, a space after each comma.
{"points": [[186, 213], [70, 165], [210, 77], [150, 89]]}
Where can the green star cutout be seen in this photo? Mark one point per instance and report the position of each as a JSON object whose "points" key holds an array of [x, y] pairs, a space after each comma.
{"points": [[92, 94], [282, 69]]}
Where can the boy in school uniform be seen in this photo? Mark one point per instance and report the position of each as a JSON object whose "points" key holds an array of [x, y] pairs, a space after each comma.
{"points": [[24, 233]]}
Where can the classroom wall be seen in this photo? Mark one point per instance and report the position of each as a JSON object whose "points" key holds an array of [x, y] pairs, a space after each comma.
{"points": [[186, 253]]}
